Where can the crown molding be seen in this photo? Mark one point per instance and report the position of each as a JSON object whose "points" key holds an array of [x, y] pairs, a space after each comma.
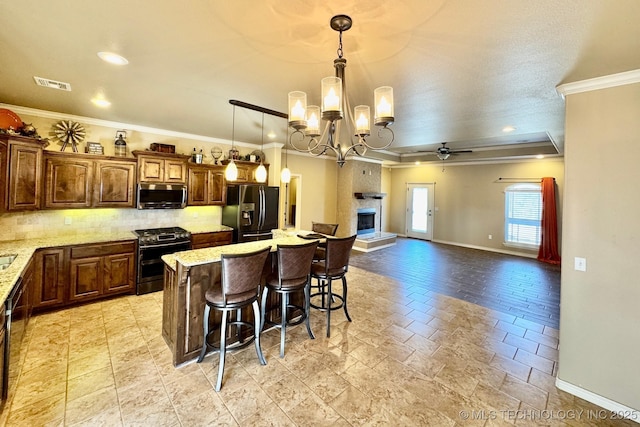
{"points": [[603, 82]]}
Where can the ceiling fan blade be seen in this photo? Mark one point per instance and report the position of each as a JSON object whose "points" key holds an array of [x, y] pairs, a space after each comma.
{"points": [[460, 151]]}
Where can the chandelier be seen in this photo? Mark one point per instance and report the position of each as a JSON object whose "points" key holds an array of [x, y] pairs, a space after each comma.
{"points": [[305, 120]]}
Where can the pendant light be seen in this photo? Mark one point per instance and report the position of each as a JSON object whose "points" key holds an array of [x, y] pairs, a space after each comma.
{"points": [[231, 172], [261, 172], [285, 175]]}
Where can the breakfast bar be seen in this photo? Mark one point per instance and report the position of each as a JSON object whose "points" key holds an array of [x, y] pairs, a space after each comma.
{"points": [[187, 276]]}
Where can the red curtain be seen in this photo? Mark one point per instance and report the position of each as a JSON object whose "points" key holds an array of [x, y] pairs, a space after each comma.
{"points": [[549, 231]]}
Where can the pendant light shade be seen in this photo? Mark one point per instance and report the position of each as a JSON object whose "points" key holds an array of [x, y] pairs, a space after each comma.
{"points": [[261, 173], [231, 172], [285, 175]]}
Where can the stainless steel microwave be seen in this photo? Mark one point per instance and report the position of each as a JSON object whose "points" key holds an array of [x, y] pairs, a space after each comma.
{"points": [[162, 196]]}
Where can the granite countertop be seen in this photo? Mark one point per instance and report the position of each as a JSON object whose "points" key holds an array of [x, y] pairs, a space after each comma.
{"points": [[208, 228], [24, 249], [207, 255]]}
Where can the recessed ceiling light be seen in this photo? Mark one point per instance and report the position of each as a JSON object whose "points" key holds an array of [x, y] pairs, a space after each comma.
{"points": [[508, 129], [417, 163], [540, 156], [113, 58], [100, 102]]}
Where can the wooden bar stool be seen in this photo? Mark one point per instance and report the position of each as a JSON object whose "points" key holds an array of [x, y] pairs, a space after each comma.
{"points": [[240, 287], [333, 267], [294, 265]]}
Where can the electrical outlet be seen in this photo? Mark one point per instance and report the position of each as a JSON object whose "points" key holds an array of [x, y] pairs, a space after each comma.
{"points": [[195, 214], [490, 236], [580, 264], [67, 220]]}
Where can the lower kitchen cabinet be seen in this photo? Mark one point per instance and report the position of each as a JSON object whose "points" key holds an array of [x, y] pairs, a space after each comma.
{"points": [[100, 270], [49, 280], [73, 274]]}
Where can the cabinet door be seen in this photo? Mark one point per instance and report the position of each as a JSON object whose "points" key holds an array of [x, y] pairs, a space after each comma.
{"points": [[24, 176], [151, 169], [197, 187], [243, 173], [68, 183], [175, 171], [86, 278], [114, 184], [49, 278], [217, 188], [119, 273]]}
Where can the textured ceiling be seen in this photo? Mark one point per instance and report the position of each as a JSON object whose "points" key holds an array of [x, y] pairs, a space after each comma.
{"points": [[461, 70]]}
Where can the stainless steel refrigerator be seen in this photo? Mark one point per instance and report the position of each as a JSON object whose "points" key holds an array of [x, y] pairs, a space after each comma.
{"points": [[252, 211]]}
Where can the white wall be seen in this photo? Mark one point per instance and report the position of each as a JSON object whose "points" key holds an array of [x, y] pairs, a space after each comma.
{"points": [[599, 316]]}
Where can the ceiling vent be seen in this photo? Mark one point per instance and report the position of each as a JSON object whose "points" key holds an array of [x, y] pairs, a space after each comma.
{"points": [[53, 84]]}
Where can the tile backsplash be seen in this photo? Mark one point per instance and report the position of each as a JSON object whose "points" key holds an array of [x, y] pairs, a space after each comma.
{"points": [[51, 223]]}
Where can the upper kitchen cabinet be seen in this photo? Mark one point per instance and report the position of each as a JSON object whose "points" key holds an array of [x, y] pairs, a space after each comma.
{"points": [[114, 183], [21, 171], [206, 186], [156, 167], [82, 181]]}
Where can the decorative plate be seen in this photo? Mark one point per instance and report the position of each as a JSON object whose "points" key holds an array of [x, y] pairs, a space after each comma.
{"points": [[9, 119]]}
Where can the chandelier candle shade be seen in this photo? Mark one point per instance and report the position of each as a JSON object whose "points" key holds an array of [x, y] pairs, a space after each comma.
{"points": [[305, 120]]}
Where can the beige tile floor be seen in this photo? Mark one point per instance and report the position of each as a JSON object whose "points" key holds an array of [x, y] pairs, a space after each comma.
{"points": [[410, 357]]}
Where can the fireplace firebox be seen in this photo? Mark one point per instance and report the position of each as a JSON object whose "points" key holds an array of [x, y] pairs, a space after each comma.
{"points": [[366, 221]]}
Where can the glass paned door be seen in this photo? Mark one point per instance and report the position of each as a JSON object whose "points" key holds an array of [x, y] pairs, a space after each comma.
{"points": [[420, 211]]}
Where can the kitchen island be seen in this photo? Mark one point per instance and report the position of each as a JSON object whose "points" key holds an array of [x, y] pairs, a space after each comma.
{"points": [[187, 277]]}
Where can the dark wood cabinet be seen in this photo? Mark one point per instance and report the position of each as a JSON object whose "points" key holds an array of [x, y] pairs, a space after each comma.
{"points": [[21, 171], [82, 181], [119, 273], [206, 186], [65, 276], [85, 278], [49, 280], [207, 240], [68, 181], [98, 270], [161, 167], [114, 183]]}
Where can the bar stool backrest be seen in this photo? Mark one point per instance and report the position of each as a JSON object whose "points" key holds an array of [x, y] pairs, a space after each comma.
{"points": [[294, 261], [338, 253], [322, 228], [241, 274]]}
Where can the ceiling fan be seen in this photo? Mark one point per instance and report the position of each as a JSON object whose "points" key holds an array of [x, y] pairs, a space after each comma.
{"points": [[444, 152]]}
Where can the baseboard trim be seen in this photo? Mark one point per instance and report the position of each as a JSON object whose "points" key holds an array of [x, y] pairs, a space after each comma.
{"points": [[617, 408], [484, 248]]}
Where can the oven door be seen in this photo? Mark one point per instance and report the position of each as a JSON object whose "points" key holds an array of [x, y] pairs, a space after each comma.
{"points": [[151, 267]]}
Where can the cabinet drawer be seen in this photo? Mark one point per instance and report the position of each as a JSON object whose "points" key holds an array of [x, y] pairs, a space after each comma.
{"points": [[204, 240], [101, 250]]}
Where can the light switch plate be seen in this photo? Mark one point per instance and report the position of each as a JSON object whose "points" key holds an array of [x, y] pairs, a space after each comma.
{"points": [[580, 264]]}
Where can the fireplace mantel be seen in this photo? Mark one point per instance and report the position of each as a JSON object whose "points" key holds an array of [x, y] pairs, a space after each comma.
{"points": [[369, 195]]}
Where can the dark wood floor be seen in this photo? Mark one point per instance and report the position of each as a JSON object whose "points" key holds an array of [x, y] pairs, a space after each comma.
{"points": [[519, 286]]}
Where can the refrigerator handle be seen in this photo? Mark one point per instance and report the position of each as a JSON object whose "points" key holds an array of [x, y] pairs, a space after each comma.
{"points": [[262, 206]]}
